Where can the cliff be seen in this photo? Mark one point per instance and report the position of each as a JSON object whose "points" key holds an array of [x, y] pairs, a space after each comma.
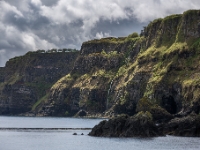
{"points": [[25, 80], [2, 74], [156, 72], [89, 85], [112, 75]]}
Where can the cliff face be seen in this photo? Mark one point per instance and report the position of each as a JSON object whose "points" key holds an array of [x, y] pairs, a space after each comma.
{"points": [[127, 75], [156, 72], [88, 85], [26, 79], [174, 54], [2, 72]]}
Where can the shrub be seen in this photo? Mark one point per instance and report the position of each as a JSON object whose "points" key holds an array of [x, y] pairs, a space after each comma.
{"points": [[133, 35]]}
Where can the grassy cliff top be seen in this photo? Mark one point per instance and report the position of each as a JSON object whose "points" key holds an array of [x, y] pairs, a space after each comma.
{"points": [[106, 40]]}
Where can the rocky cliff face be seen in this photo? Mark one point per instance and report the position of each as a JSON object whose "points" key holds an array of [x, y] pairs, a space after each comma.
{"points": [[90, 81], [2, 74], [156, 72], [112, 75], [25, 80]]}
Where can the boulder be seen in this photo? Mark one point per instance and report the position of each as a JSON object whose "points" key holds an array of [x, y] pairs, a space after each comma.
{"points": [[140, 125], [188, 126]]}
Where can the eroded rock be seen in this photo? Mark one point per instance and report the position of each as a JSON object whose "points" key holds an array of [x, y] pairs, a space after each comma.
{"points": [[140, 125], [185, 126]]}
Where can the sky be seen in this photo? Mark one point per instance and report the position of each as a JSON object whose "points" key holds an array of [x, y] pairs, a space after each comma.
{"points": [[29, 25]]}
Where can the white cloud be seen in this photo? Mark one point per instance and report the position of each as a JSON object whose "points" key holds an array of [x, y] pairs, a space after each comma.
{"points": [[2, 51], [43, 24], [146, 11], [36, 2], [6, 8], [89, 11], [100, 35]]}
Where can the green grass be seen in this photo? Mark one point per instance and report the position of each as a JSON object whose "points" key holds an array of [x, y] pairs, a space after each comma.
{"points": [[133, 35], [110, 54], [190, 13], [44, 98], [63, 83], [14, 78], [106, 40], [172, 18]]}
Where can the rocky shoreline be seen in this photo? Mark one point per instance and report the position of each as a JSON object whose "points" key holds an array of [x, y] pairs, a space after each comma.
{"points": [[143, 124]]}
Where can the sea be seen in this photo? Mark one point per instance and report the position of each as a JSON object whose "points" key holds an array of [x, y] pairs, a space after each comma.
{"points": [[50, 133]]}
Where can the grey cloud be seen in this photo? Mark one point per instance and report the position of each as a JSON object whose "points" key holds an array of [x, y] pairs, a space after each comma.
{"points": [[43, 24], [49, 2], [118, 28]]}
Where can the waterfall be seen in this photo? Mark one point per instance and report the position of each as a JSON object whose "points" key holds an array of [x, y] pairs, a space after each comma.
{"points": [[109, 93]]}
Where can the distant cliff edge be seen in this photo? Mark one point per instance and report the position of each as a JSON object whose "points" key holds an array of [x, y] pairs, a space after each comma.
{"points": [[157, 71]]}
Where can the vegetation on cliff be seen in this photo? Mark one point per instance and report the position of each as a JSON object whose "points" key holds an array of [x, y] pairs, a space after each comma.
{"points": [[157, 72], [162, 65], [26, 80]]}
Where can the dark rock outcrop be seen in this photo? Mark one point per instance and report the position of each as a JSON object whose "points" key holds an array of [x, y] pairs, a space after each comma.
{"points": [[140, 125], [185, 126], [143, 125]]}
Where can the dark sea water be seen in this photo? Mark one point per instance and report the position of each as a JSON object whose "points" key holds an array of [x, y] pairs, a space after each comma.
{"points": [[64, 140]]}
